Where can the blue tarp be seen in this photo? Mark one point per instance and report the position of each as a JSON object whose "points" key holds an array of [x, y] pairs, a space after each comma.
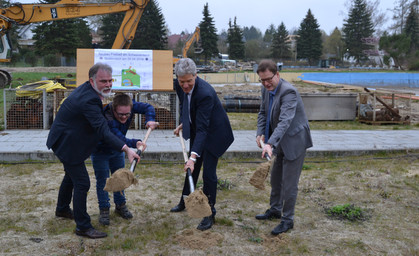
{"points": [[366, 79]]}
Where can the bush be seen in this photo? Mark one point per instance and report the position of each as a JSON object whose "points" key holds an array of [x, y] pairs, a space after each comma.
{"points": [[51, 60]]}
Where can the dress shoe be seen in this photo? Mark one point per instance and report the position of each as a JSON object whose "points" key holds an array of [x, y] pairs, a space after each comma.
{"points": [[268, 215], [68, 214], [91, 233], [282, 228], [122, 210], [206, 223], [178, 208]]}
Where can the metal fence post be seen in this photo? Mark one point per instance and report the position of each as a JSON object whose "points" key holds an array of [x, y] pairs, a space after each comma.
{"points": [[4, 109], [44, 109]]}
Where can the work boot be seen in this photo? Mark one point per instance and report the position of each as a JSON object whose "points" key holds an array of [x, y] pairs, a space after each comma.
{"points": [[104, 216], [123, 211]]}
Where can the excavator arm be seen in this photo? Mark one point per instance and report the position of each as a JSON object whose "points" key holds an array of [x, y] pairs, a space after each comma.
{"points": [[22, 14], [193, 38]]}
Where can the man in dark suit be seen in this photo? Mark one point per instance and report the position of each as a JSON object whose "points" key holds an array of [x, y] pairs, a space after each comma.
{"points": [[206, 123], [78, 127], [283, 124]]}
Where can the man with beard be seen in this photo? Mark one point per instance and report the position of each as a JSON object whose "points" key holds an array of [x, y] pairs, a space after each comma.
{"points": [[74, 134]]}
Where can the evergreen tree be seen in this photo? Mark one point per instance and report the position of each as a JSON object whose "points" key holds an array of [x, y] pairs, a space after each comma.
{"points": [[412, 26], [208, 34], [334, 44], [280, 48], [62, 37], [309, 44], [235, 41], [357, 27], [151, 32], [396, 46], [251, 33], [269, 33]]}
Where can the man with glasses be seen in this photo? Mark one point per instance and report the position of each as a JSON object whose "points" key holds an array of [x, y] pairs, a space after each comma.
{"points": [[119, 114], [283, 125]]}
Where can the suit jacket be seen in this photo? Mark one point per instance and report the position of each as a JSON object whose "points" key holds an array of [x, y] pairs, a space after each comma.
{"points": [[79, 126], [210, 127], [288, 121]]}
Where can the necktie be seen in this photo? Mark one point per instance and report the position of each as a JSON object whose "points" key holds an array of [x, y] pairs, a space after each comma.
{"points": [[268, 119], [185, 118]]}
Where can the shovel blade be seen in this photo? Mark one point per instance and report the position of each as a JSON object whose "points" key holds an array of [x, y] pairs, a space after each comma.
{"points": [[120, 180]]}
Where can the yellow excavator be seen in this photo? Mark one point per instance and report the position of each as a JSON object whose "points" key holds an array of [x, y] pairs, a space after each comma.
{"points": [[193, 38], [22, 14]]}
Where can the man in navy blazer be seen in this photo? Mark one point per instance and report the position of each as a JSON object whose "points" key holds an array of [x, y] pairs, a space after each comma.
{"points": [[283, 124], [206, 123], [78, 127]]}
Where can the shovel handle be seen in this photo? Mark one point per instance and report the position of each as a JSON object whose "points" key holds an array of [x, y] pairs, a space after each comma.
{"points": [[139, 151], [263, 144], [185, 157], [191, 186]]}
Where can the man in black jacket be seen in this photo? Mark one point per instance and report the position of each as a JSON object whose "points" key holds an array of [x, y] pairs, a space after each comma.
{"points": [[74, 134], [206, 123]]}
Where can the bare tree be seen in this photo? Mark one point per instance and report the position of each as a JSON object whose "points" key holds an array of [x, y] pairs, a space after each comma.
{"points": [[400, 12]]}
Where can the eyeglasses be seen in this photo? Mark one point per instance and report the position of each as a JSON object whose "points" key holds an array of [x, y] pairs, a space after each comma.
{"points": [[123, 114], [266, 79]]}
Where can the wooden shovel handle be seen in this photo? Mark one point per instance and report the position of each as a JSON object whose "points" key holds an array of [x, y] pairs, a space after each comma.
{"points": [[185, 157], [140, 150], [263, 144]]}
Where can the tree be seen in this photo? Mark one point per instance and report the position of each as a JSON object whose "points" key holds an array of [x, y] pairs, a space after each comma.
{"points": [[269, 34], [208, 34], [62, 37], [251, 33], [334, 44], [235, 41], [399, 15], [309, 44], [280, 48], [356, 28], [412, 26], [396, 46], [151, 32]]}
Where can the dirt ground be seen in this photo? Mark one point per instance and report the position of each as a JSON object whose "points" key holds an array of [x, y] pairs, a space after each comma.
{"points": [[385, 186]]}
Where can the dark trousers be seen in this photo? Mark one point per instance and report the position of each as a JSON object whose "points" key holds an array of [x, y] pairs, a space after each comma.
{"points": [[209, 176], [76, 178]]}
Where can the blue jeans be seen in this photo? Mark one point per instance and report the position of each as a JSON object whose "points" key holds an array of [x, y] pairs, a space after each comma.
{"points": [[102, 164]]}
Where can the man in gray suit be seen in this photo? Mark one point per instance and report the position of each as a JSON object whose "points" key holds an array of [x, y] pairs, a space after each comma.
{"points": [[283, 124]]}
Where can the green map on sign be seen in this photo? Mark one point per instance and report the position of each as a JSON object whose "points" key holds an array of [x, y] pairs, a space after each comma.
{"points": [[130, 78]]}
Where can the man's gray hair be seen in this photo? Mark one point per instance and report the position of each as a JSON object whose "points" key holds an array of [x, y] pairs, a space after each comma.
{"points": [[95, 68], [185, 66]]}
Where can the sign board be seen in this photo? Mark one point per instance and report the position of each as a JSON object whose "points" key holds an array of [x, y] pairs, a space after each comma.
{"points": [[144, 70]]}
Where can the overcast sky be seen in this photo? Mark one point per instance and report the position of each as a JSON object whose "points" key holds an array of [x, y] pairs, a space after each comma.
{"points": [[187, 14], [183, 15]]}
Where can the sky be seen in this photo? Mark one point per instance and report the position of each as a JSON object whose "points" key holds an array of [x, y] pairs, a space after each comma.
{"points": [[185, 15]]}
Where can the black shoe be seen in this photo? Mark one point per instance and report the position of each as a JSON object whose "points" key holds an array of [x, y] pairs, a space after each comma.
{"points": [[104, 217], [91, 233], [123, 211], [268, 215], [67, 214], [178, 208], [206, 223], [282, 228]]}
